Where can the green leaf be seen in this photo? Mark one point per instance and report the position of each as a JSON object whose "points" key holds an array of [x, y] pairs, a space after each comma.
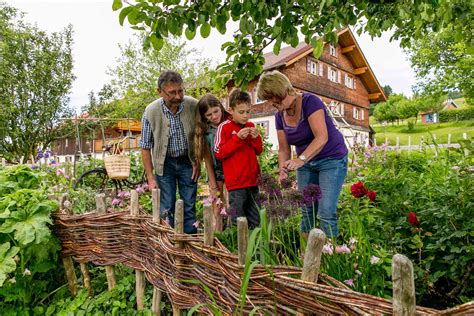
{"points": [[116, 5], [156, 42], [7, 264], [318, 45], [189, 34], [205, 30]]}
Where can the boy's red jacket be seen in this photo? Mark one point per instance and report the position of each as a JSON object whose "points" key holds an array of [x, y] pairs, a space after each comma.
{"points": [[239, 156]]}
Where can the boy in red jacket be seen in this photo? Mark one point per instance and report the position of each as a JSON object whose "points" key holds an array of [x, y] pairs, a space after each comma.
{"points": [[237, 144]]}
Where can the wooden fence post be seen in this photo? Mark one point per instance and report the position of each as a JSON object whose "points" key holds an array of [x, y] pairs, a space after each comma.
{"points": [[409, 143], [449, 139], [67, 261], [179, 229], [109, 270], [155, 199], [397, 144], [139, 275], [208, 215], [404, 302], [464, 135], [4, 162], [422, 140], [312, 258], [242, 238]]}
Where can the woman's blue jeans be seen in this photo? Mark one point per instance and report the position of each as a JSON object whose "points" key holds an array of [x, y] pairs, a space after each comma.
{"points": [[329, 174], [178, 171]]}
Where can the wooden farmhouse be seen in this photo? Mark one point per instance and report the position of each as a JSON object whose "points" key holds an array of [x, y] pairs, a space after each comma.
{"points": [[341, 77]]}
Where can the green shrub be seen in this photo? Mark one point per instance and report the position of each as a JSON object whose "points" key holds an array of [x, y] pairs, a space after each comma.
{"points": [[457, 115]]}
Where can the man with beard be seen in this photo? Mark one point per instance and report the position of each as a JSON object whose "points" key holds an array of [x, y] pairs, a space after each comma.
{"points": [[167, 144]]}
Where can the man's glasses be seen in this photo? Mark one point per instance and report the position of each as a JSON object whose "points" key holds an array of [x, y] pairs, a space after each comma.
{"points": [[174, 93]]}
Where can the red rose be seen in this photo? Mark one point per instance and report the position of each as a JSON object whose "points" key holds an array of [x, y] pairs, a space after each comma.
{"points": [[371, 195], [413, 220], [358, 189]]}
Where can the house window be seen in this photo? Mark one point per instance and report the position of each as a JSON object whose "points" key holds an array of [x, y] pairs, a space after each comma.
{"points": [[255, 98], [349, 81], [263, 125], [336, 108], [332, 50], [358, 114], [332, 74], [313, 68]]}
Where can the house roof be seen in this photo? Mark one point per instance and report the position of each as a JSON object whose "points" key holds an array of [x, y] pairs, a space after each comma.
{"points": [[350, 48]]}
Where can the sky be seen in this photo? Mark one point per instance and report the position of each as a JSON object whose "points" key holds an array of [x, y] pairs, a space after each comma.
{"points": [[97, 34]]}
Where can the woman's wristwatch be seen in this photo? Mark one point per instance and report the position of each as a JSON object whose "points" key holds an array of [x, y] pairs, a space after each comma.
{"points": [[302, 158]]}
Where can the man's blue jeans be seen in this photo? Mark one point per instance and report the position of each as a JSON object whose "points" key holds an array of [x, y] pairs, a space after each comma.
{"points": [[178, 171], [329, 174]]}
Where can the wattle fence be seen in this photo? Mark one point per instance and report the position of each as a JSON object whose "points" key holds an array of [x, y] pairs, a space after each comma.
{"points": [[198, 271]]}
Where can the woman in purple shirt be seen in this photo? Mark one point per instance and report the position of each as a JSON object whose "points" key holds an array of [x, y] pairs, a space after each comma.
{"points": [[302, 120]]}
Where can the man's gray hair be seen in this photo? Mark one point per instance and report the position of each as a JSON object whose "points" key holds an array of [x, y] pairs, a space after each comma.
{"points": [[167, 77]]}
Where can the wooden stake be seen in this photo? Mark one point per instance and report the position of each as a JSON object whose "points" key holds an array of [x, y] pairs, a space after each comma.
{"points": [[242, 238], [155, 199], [139, 275], [208, 225], [179, 229], [86, 279], [67, 261], [312, 257], [404, 302], [109, 270]]}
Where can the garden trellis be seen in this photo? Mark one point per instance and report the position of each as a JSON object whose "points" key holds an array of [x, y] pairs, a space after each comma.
{"points": [[198, 270]]}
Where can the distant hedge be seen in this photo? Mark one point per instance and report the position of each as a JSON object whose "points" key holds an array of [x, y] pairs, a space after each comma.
{"points": [[457, 115]]}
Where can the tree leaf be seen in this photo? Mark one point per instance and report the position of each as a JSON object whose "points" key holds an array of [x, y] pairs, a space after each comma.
{"points": [[205, 30], [189, 34], [116, 5], [156, 42], [317, 47]]}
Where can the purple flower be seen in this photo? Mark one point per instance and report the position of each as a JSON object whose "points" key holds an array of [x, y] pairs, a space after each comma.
{"points": [[311, 194], [350, 282], [116, 201], [139, 190], [208, 200], [123, 195], [34, 167], [40, 154], [223, 212], [196, 223]]}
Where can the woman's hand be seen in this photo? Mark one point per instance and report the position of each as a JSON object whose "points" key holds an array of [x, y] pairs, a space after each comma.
{"points": [[283, 175], [294, 164]]}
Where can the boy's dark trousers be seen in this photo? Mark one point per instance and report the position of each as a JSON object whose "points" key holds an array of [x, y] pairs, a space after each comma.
{"points": [[244, 202]]}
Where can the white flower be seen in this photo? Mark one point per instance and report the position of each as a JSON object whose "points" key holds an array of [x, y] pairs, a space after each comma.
{"points": [[352, 241], [358, 272], [374, 260], [26, 272]]}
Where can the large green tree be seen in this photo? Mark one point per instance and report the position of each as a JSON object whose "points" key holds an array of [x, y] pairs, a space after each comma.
{"points": [[443, 64], [35, 79], [134, 78], [263, 23]]}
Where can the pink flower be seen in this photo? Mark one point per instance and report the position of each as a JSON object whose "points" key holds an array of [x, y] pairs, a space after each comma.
{"points": [[116, 201], [343, 249], [374, 260], [358, 272], [208, 201], [196, 223], [350, 282], [223, 212], [328, 249]]}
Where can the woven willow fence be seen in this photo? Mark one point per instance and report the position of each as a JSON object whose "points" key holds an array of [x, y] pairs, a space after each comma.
{"points": [[167, 257]]}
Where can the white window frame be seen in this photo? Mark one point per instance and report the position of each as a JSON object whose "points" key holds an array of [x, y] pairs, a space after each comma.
{"points": [[358, 114], [336, 108], [313, 67], [332, 74], [349, 81], [332, 50], [321, 69]]}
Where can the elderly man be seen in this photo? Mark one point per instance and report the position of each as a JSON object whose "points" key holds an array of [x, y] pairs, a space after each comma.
{"points": [[168, 148]]}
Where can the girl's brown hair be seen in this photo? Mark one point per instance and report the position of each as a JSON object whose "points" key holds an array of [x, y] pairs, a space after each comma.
{"points": [[205, 103]]}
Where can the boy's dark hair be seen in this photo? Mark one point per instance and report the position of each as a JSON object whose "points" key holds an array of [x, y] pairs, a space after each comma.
{"points": [[167, 77], [238, 96]]}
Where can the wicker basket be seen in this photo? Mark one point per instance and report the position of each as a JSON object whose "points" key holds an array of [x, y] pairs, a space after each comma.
{"points": [[117, 166]]}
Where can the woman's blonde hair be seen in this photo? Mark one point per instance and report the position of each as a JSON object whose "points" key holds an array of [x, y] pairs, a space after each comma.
{"points": [[274, 84], [205, 103]]}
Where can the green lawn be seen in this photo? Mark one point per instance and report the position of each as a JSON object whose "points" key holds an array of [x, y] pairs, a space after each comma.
{"points": [[440, 130]]}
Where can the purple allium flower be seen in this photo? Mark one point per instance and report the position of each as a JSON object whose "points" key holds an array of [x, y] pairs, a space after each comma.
{"points": [[286, 183], [311, 194], [40, 154], [350, 282]]}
